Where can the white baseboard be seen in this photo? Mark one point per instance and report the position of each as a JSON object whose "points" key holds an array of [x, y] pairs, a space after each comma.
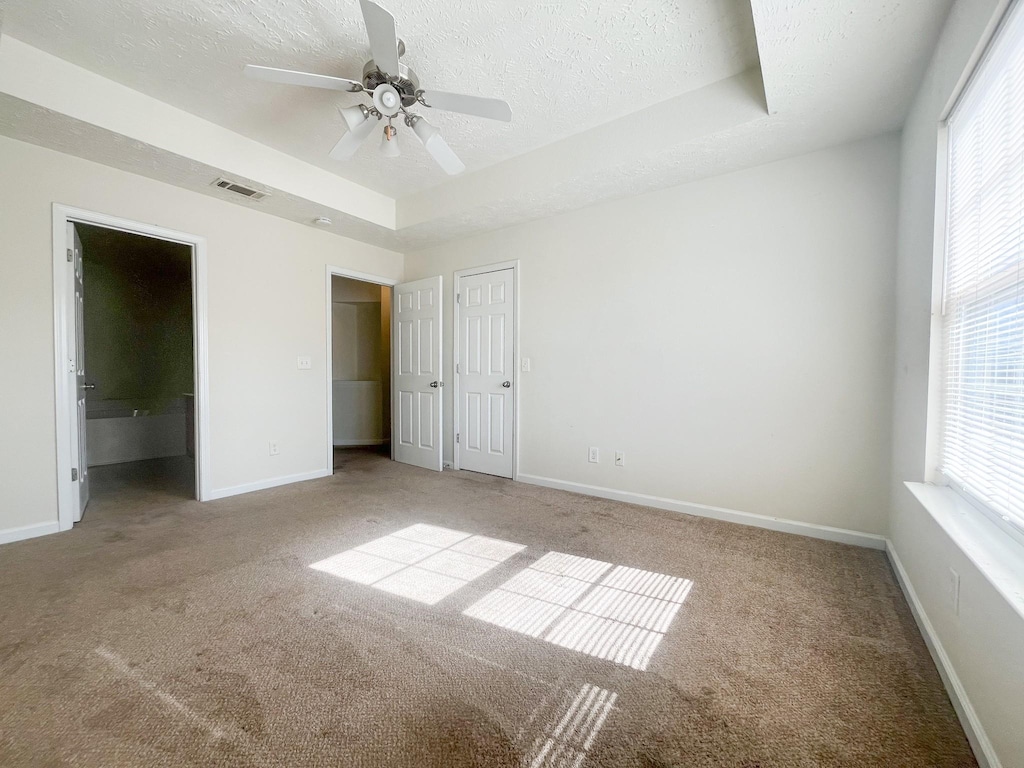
{"points": [[841, 535], [357, 442], [9, 535], [273, 482], [983, 750]]}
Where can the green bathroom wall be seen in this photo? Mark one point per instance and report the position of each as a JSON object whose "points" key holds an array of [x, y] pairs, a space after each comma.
{"points": [[138, 317]]}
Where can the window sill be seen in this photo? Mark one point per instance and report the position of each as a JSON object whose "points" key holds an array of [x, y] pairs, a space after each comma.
{"points": [[994, 552]]}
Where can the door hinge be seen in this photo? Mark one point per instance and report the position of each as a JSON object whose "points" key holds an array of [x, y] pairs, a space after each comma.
{"points": [[457, 436], [457, 368], [458, 298], [74, 474], [71, 255]]}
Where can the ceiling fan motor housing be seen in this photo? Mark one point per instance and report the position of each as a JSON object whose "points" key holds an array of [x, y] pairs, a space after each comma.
{"points": [[406, 82]]}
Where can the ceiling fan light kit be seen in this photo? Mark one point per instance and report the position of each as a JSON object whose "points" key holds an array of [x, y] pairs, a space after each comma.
{"points": [[435, 145], [393, 89], [388, 142], [351, 141], [354, 116]]}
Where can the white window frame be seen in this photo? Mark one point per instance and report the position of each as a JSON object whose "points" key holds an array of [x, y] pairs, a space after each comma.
{"points": [[936, 373]]}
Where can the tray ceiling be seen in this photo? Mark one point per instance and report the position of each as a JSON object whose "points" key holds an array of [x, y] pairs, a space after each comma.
{"points": [[610, 98], [564, 66]]}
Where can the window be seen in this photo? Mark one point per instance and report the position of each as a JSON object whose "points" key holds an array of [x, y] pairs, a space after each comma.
{"points": [[982, 397]]}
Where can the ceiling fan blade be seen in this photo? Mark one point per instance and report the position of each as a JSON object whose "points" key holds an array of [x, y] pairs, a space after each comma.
{"points": [[352, 140], [493, 109], [380, 28], [291, 77], [444, 155]]}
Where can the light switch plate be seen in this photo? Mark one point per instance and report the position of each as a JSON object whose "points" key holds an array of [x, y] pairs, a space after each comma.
{"points": [[305, 363]]}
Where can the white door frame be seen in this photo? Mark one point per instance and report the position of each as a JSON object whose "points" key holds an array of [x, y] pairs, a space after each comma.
{"points": [[62, 215], [456, 410], [365, 277]]}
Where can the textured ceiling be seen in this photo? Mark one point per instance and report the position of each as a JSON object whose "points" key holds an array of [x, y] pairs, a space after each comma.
{"points": [[833, 71], [564, 66]]}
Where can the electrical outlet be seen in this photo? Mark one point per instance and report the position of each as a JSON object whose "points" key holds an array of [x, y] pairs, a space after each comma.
{"points": [[620, 459], [954, 591], [526, 365], [275, 449], [305, 363], [595, 456]]}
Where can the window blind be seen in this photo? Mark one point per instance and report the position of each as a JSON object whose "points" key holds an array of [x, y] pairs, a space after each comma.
{"points": [[982, 412]]}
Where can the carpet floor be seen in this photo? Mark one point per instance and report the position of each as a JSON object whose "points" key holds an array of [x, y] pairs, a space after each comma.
{"points": [[391, 616]]}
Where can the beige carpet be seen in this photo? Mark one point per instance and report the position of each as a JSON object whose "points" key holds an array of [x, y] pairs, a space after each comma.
{"points": [[162, 632]]}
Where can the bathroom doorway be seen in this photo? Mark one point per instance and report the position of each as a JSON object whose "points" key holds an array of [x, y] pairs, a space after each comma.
{"points": [[129, 351], [139, 370]]}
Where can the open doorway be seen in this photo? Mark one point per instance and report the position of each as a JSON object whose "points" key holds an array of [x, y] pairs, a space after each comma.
{"points": [[130, 354], [360, 369], [137, 338], [410, 369]]}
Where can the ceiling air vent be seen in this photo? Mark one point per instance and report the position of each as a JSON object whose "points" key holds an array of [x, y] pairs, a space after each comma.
{"points": [[240, 189]]}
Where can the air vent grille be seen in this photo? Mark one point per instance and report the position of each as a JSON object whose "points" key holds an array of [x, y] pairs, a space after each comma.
{"points": [[239, 189]]}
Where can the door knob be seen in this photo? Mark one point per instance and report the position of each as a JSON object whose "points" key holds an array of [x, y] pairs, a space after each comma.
{"points": [[435, 384], [506, 384]]}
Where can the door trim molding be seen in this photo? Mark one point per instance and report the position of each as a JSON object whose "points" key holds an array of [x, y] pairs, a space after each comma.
{"points": [[365, 277], [456, 409], [62, 216]]}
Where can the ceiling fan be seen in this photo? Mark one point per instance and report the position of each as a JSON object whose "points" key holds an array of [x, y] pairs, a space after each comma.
{"points": [[394, 89]]}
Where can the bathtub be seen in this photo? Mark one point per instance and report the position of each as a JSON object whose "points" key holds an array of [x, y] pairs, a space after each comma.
{"points": [[125, 430]]}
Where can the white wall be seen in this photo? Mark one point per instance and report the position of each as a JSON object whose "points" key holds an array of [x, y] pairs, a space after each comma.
{"points": [[355, 340], [358, 413], [733, 336], [266, 307], [987, 654]]}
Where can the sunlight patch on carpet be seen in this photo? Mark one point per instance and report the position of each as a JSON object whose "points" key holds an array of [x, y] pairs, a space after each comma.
{"points": [[604, 610], [425, 563], [570, 732]]}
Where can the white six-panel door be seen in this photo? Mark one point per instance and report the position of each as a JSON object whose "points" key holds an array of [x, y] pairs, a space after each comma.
{"points": [[486, 372], [416, 373], [76, 339]]}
